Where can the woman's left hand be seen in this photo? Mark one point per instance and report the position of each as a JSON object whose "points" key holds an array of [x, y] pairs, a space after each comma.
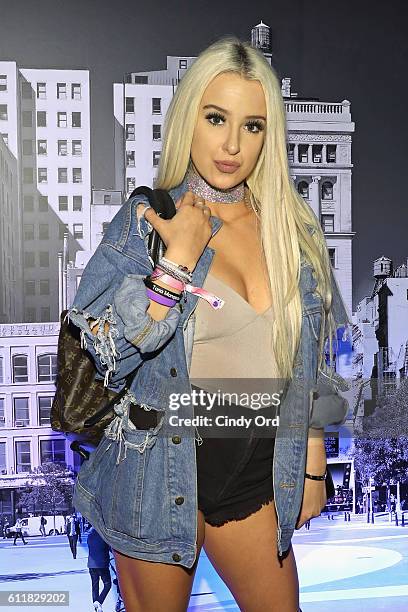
{"points": [[314, 492]]}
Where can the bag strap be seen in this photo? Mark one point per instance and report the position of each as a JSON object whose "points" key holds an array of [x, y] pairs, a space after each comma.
{"points": [[162, 203]]}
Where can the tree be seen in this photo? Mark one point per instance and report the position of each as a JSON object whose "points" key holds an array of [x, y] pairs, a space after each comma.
{"points": [[381, 450], [47, 489]]}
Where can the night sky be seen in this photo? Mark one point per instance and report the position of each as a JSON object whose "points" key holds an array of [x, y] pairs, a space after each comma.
{"points": [[355, 50]]}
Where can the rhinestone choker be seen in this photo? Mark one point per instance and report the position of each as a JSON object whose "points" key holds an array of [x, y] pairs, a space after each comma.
{"points": [[200, 187]]}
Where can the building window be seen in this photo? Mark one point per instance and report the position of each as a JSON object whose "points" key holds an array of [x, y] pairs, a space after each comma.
{"points": [[3, 112], [42, 175], [332, 256], [3, 462], [130, 131], [21, 412], [62, 147], [63, 175], [156, 106], [78, 230], [29, 287], [327, 190], [23, 457], [140, 79], [52, 450], [76, 120], [61, 91], [1, 370], [28, 203], [41, 91], [2, 412], [62, 119], [28, 231], [20, 368], [77, 175], [303, 153], [43, 231], [76, 91], [29, 259], [27, 118], [28, 176], [63, 229], [182, 64], [156, 158], [77, 203], [328, 223], [156, 132], [105, 226], [41, 147], [47, 367], [291, 152], [43, 203], [331, 154], [44, 259], [44, 410], [317, 154], [45, 287], [107, 198], [130, 159], [27, 147], [3, 82], [30, 315], [129, 105], [62, 202], [77, 147], [41, 119], [45, 314], [303, 189], [130, 184], [26, 91]]}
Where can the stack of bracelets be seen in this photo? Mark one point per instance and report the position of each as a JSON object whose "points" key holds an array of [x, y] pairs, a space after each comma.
{"points": [[179, 277]]}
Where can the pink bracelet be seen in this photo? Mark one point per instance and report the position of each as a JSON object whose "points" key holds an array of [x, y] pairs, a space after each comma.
{"points": [[212, 299]]}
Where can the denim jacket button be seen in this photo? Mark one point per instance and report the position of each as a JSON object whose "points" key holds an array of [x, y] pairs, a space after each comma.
{"points": [[179, 500], [176, 439], [173, 372], [176, 557]]}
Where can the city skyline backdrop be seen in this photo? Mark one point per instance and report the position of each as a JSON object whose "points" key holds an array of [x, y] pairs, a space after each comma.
{"points": [[356, 52]]}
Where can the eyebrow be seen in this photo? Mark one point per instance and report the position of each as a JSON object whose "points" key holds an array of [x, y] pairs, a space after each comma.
{"points": [[223, 110]]}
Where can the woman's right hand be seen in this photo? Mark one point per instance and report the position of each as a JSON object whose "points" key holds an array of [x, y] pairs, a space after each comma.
{"points": [[187, 233]]}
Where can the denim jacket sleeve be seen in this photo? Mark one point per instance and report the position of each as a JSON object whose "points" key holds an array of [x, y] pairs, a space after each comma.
{"points": [[329, 407], [112, 291]]}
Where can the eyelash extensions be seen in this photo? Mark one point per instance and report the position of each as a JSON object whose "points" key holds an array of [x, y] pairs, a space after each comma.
{"points": [[253, 123]]}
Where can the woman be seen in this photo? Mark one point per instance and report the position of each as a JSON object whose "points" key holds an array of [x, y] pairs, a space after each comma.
{"points": [[150, 495]]}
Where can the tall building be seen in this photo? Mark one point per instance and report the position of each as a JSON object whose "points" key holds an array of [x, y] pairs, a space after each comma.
{"points": [[45, 115], [11, 277], [140, 104], [11, 270]]}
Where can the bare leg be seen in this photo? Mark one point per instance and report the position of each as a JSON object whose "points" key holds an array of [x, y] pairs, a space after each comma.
{"points": [[147, 586], [244, 554]]}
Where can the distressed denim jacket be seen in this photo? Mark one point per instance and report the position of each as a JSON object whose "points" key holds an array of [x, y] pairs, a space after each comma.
{"points": [[139, 488]]}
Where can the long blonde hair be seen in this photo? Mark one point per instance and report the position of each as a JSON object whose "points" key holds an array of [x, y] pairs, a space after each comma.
{"points": [[289, 228]]}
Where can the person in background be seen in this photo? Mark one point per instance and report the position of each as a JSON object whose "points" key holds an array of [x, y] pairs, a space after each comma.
{"points": [[98, 566], [73, 533], [43, 522], [18, 531]]}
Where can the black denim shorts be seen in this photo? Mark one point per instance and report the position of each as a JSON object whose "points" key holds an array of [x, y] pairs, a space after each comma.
{"points": [[234, 474]]}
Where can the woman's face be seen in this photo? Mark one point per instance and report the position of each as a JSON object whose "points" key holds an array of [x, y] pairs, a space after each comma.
{"points": [[230, 128]]}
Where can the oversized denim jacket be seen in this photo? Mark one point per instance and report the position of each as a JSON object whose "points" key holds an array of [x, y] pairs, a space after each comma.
{"points": [[139, 488]]}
